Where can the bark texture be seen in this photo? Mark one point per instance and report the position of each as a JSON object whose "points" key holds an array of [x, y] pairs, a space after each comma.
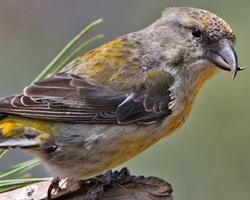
{"points": [[141, 188]]}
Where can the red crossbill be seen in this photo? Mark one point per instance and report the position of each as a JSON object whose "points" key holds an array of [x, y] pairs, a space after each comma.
{"points": [[117, 100]]}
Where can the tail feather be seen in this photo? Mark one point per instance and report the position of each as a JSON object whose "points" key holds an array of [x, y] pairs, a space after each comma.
{"points": [[20, 141]]}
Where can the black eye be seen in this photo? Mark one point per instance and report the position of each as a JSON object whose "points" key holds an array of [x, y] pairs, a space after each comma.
{"points": [[196, 32]]}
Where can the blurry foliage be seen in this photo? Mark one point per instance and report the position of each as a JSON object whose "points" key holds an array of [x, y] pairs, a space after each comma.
{"points": [[17, 176]]}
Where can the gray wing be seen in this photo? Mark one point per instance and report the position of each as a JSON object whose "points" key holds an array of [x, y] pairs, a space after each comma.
{"points": [[71, 98]]}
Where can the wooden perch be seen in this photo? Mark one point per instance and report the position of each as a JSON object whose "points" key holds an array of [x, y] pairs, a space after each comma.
{"points": [[150, 188]]}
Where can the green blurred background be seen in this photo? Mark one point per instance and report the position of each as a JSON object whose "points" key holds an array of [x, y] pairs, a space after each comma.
{"points": [[207, 159]]}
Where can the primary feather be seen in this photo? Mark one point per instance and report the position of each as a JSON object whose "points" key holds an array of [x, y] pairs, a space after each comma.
{"points": [[71, 98]]}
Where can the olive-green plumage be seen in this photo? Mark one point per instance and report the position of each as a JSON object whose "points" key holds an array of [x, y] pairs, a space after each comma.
{"points": [[115, 101]]}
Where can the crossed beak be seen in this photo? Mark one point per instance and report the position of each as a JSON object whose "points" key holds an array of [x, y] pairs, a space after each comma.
{"points": [[225, 57]]}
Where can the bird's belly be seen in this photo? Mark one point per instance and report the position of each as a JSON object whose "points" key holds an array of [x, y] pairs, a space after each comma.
{"points": [[85, 151]]}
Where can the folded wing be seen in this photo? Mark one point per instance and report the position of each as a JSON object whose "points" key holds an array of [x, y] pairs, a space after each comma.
{"points": [[72, 98]]}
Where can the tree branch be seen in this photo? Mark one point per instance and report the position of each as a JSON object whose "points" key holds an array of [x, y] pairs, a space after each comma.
{"points": [[150, 188]]}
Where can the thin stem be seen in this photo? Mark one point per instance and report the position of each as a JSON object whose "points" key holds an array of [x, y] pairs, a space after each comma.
{"points": [[20, 168], [76, 52], [2, 153], [66, 49]]}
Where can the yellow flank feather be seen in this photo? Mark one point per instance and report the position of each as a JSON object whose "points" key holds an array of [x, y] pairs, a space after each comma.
{"points": [[13, 126], [9, 129]]}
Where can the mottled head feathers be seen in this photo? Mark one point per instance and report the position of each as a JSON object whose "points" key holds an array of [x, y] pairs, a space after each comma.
{"points": [[208, 22]]}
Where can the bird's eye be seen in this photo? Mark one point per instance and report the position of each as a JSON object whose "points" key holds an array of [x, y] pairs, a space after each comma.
{"points": [[196, 32]]}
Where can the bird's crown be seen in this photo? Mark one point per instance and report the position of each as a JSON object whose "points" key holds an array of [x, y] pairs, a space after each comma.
{"points": [[206, 21]]}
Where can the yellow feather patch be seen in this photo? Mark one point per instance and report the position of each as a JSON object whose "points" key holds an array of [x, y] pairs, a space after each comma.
{"points": [[9, 129], [15, 126], [111, 64]]}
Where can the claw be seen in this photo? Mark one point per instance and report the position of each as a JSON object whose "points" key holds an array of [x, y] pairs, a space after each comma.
{"points": [[53, 186], [119, 177]]}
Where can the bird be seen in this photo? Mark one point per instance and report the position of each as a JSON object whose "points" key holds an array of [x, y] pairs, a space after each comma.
{"points": [[113, 102]]}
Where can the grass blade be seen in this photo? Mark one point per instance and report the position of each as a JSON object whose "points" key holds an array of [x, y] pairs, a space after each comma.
{"points": [[18, 169], [66, 49], [3, 152], [77, 52]]}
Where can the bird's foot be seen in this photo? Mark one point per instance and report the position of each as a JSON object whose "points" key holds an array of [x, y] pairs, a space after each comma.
{"points": [[54, 186], [111, 177]]}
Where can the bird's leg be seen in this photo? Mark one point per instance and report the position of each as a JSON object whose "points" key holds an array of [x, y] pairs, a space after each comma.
{"points": [[117, 177], [53, 186], [120, 177]]}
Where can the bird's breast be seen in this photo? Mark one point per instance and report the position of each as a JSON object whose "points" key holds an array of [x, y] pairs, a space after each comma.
{"points": [[184, 92]]}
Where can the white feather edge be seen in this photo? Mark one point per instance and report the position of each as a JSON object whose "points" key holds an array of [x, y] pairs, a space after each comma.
{"points": [[18, 142]]}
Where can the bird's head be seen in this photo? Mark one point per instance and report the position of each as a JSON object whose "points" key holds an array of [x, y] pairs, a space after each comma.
{"points": [[200, 39]]}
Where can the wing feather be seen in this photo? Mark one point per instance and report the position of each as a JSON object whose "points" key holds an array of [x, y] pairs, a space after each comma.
{"points": [[72, 98]]}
